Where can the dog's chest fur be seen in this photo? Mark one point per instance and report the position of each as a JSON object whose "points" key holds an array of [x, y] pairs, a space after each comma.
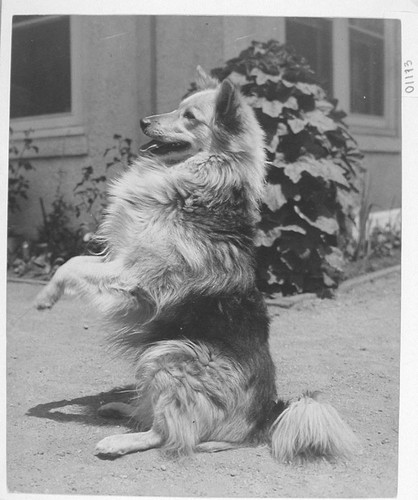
{"points": [[194, 198]]}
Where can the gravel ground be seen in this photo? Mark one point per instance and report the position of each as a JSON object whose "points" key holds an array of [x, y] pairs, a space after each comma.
{"points": [[59, 371]]}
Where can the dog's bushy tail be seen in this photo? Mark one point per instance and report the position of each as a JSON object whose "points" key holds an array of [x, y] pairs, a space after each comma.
{"points": [[308, 429]]}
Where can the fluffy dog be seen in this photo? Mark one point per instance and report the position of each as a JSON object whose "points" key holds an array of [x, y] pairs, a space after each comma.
{"points": [[177, 281]]}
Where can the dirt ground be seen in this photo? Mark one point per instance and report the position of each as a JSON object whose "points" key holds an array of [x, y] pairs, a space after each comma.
{"points": [[59, 371]]}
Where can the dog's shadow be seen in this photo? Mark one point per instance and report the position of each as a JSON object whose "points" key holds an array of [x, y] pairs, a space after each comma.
{"points": [[84, 409]]}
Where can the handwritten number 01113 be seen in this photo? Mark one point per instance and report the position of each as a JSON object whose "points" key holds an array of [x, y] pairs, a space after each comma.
{"points": [[409, 76]]}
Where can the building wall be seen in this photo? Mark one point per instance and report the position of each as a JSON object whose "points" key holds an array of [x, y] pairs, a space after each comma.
{"points": [[112, 60], [128, 67]]}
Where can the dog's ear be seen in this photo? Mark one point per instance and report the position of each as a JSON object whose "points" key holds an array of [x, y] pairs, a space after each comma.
{"points": [[227, 105], [204, 81]]}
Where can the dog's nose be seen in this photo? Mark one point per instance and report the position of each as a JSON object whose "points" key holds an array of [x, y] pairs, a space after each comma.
{"points": [[145, 122]]}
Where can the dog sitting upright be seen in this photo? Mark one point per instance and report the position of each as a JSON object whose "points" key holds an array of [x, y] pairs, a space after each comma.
{"points": [[177, 283]]}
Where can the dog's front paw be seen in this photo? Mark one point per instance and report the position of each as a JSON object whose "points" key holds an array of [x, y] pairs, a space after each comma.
{"points": [[47, 297], [41, 303], [116, 445]]}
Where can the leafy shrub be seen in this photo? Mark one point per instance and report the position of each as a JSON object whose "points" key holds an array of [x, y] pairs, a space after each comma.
{"points": [[90, 191], [314, 170], [385, 241], [62, 240], [18, 165]]}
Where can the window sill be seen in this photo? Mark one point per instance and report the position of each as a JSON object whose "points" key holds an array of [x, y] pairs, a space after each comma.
{"points": [[375, 134], [51, 142], [378, 144]]}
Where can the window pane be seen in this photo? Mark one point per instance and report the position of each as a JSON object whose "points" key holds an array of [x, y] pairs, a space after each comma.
{"points": [[40, 67], [366, 69], [372, 25], [312, 39]]}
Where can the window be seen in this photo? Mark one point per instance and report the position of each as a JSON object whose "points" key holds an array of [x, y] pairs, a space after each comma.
{"points": [[366, 66], [312, 38], [356, 61], [41, 66]]}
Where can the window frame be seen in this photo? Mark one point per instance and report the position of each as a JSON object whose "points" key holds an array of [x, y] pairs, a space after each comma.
{"points": [[309, 23], [59, 124], [387, 124]]}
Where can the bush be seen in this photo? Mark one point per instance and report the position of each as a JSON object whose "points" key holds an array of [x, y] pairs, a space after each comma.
{"points": [[90, 192], [314, 170], [62, 240], [18, 166], [62, 236]]}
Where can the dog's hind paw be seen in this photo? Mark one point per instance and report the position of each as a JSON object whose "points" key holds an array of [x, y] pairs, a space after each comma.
{"points": [[116, 445], [121, 444]]}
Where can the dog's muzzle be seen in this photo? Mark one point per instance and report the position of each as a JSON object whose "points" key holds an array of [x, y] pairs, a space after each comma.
{"points": [[145, 123]]}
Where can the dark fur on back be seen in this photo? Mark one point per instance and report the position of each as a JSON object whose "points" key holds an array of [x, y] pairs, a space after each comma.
{"points": [[235, 325]]}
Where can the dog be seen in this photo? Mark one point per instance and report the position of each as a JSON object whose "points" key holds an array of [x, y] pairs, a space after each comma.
{"points": [[177, 283]]}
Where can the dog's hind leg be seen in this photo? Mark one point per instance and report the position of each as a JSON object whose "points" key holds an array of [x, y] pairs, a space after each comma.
{"points": [[139, 410], [121, 444], [215, 446]]}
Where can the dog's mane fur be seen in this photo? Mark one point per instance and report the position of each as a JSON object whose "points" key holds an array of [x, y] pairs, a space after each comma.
{"points": [[196, 217]]}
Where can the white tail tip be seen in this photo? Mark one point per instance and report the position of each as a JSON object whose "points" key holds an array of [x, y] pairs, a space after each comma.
{"points": [[308, 429]]}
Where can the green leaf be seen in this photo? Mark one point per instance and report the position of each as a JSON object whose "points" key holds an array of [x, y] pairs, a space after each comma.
{"points": [[237, 78], [267, 238], [326, 224], [317, 119], [288, 84], [291, 103], [271, 108], [326, 169], [335, 259], [324, 106], [328, 281], [274, 142], [347, 200], [274, 197], [261, 78], [311, 89], [293, 228], [297, 125]]}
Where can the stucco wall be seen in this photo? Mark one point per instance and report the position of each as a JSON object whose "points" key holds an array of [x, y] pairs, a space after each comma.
{"points": [[182, 43], [114, 92], [385, 180], [132, 66]]}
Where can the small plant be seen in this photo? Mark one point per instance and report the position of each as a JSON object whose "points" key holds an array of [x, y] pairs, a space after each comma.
{"points": [[64, 239], [90, 191], [61, 239], [18, 166], [385, 241], [359, 245], [314, 170]]}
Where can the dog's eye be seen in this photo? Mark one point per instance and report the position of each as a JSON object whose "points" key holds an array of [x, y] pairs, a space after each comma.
{"points": [[189, 115]]}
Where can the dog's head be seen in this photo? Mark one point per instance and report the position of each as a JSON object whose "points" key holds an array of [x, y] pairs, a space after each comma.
{"points": [[183, 132], [203, 121]]}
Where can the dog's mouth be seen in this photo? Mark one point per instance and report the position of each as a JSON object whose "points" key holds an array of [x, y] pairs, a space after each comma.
{"points": [[162, 148]]}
